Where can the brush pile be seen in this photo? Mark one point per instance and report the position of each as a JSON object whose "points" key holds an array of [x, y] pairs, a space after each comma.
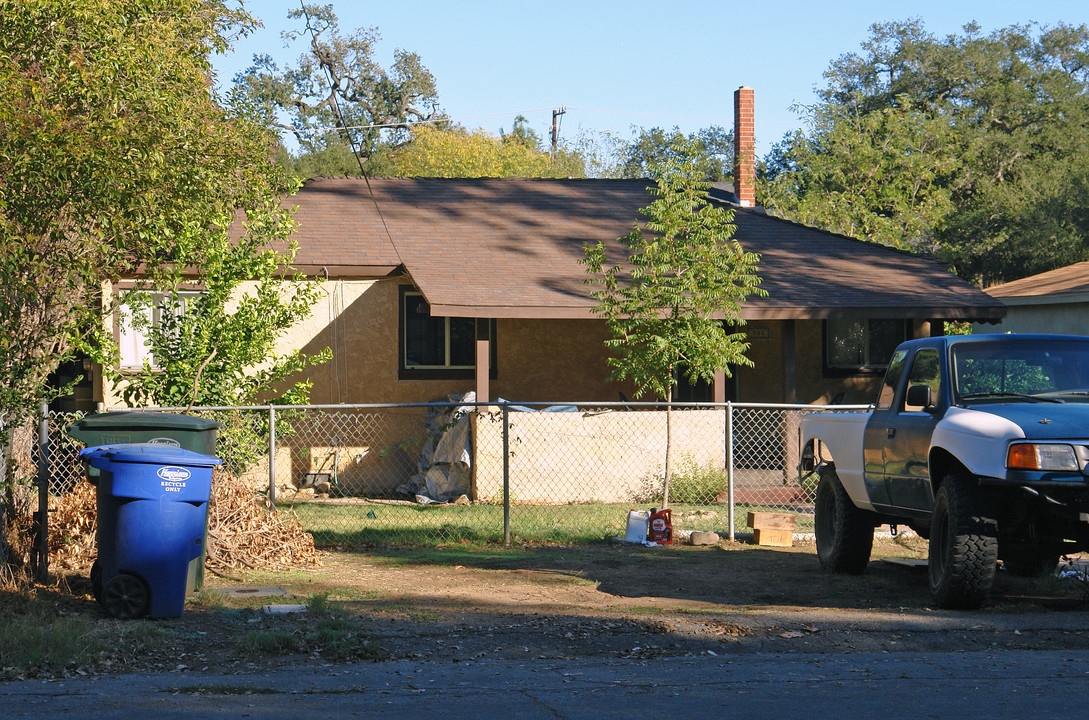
{"points": [[243, 532]]}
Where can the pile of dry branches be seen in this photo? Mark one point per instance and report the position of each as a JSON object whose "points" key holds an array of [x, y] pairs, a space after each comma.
{"points": [[242, 531], [72, 522]]}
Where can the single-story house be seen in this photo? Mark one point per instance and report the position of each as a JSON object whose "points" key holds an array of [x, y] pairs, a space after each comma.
{"points": [[440, 286], [1056, 301], [436, 287]]}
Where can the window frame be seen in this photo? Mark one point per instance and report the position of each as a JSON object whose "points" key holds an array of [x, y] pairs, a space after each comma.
{"points": [[125, 332], [440, 372], [867, 368]]}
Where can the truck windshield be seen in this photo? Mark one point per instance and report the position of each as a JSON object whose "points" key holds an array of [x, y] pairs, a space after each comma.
{"points": [[1021, 370]]}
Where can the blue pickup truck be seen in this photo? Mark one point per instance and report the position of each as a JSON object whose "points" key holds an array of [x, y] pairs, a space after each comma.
{"points": [[979, 443]]}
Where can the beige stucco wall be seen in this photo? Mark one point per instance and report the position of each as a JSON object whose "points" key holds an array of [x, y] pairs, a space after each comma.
{"points": [[605, 456], [537, 360]]}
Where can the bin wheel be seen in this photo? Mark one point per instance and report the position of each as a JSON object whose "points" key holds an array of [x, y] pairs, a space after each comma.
{"points": [[126, 596], [96, 580]]}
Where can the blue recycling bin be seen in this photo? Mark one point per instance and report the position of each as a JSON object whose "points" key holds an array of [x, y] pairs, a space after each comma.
{"points": [[152, 509]]}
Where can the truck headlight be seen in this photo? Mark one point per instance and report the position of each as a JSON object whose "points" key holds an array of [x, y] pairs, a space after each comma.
{"points": [[1041, 456]]}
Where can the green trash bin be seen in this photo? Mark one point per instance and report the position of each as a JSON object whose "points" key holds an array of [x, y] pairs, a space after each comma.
{"points": [[158, 428]]}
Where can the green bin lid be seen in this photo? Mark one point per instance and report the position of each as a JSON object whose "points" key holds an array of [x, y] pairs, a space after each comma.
{"points": [[138, 420]]}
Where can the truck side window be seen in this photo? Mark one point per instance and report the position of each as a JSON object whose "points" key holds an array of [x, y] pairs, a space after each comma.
{"points": [[892, 379], [925, 371]]}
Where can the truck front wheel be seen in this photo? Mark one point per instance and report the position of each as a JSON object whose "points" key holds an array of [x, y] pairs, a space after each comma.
{"points": [[844, 533], [963, 545]]}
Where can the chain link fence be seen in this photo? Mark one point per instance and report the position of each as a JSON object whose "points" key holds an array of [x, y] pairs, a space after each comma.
{"points": [[439, 473]]}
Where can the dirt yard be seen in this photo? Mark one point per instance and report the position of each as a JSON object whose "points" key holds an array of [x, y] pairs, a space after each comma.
{"points": [[618, 601]]}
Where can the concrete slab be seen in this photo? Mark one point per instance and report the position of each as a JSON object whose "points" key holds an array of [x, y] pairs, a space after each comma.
{"points": [[243, 592]]}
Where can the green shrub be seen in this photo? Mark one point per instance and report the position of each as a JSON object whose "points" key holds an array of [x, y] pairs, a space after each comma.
{"points": [[693, 484]]}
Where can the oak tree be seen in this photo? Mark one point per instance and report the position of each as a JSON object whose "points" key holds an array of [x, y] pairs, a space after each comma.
{"points": [[969, 146], [337, 98]]}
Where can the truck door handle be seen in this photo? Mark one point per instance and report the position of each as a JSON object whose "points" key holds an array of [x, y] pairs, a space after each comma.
{"points": [[890, 432]]}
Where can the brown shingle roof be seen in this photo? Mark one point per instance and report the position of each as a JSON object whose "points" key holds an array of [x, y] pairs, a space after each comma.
{"points": [[1072, 279], [510, 248]]}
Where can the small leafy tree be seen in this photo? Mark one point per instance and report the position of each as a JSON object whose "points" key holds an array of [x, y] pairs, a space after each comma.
{"points": [[214, 343], [667, 302]]}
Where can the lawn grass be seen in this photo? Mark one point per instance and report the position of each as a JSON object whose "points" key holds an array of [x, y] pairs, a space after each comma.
{"points": [[338, 524]]}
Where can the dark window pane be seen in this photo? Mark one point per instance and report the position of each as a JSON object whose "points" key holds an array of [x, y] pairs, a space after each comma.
{"points": [[425, 341], [463, 342], [885, 335], [846, 343]]}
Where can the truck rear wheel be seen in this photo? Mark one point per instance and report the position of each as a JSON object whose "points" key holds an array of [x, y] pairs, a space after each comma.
{"points": [[963, 545], [844, 533]]}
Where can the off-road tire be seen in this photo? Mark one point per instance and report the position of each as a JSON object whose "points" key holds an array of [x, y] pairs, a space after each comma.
{"points": [[963, 545], [844, 533], [1030, 562]]}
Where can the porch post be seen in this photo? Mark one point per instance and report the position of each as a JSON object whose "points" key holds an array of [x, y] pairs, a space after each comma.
{"points": [[483, 358], [718, 387], [790, 367]]}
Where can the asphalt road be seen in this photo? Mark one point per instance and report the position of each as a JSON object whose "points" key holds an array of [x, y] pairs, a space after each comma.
{"points": [[963, 685]]}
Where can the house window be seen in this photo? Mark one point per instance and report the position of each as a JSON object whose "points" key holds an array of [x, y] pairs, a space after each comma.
{"points": [[151, 308], [862, 345], [437, 347]]}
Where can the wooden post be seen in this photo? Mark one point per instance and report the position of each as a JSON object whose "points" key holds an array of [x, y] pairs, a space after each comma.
{"points": [[483, 359], [790, 366]]}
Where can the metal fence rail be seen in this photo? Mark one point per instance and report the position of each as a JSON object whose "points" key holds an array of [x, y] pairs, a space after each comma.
{"points": [[448, 472]]}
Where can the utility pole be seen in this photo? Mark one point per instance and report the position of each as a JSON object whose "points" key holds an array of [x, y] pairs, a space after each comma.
{"points": [[555, 130]]}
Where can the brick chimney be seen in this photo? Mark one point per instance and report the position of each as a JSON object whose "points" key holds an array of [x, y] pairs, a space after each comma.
{"points": [[744, 147]]}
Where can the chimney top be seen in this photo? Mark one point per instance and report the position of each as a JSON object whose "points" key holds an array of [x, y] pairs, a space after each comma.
{"points": [[744, 147]]}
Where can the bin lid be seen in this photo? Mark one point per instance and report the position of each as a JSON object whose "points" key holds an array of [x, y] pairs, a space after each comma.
{"points": [[136, 420], [148, 453]]}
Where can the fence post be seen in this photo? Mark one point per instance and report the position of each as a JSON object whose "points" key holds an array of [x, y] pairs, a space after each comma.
{"points": [[730, 465], [272, 455], [506, 474], [41, 566]]}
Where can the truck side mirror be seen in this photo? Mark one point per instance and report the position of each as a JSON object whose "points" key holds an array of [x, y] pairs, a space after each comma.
{"points": [[918, 396]]}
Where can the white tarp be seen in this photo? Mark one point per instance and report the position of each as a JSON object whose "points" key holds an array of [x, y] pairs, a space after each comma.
{"points": [[444, 465]]}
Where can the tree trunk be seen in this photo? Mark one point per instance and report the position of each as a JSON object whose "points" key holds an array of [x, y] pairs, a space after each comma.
{"points": [[669, 443], [5, 459]]}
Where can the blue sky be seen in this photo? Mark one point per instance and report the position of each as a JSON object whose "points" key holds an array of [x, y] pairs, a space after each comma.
{"points": [[615, 65]]}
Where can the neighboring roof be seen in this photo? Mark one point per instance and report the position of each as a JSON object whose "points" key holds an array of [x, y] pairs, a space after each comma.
{"points": [[510, 248], [1065, 284]]}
